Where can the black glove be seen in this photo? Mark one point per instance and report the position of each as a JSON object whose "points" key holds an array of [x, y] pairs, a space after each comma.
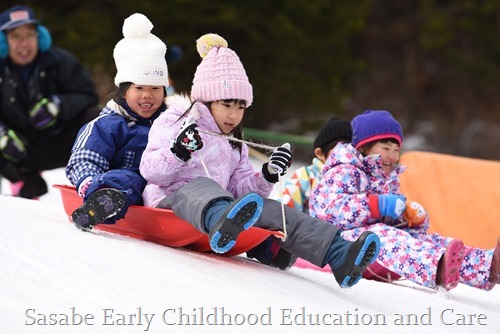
{"points": [[188, 140], [12, 145], [279, 162], [44, 113]]}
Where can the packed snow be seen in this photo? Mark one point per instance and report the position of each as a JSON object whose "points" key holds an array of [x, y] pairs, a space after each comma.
{"points": [[57, 279]]}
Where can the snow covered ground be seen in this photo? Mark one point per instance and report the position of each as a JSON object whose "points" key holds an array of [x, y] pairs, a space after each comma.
{"points": [[57, 279]]}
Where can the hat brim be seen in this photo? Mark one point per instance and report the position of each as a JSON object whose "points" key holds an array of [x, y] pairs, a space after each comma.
{"points": [[380, 137], [15, 24]]}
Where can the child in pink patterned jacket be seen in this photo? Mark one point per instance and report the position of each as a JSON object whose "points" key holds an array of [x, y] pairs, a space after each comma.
{"points": [[359, 191]]}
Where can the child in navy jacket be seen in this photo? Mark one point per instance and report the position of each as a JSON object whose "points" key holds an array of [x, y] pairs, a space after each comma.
{"points": [[104, 164]]}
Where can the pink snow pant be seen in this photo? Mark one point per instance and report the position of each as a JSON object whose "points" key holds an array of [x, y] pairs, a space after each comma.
{"points": [[414, 254]]}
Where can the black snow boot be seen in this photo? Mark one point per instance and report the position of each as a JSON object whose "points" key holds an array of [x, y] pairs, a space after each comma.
{"points": [[98, 207], [241, 214], [360, 254]]}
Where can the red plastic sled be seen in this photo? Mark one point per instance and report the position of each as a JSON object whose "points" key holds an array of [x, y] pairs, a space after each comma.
{"points": [[375, 271], [163, 227]]}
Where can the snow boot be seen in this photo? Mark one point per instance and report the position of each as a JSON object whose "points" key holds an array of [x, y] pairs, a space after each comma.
{"points": [[448, 272], [282, 259], [32, 186], [360, 255], [269, 252], [241, 214], [495, 265], [98, 207]]}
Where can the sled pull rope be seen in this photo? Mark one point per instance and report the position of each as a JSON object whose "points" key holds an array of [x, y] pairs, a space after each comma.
{"points": [[231, 138], [285, 234], [204, 165], [265, 147]]}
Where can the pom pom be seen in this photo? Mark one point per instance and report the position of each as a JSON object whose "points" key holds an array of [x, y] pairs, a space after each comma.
{"points": [[137, 26], [209, 41]]}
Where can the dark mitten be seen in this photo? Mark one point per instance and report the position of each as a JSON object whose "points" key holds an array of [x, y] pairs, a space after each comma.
{"points": [[44, 113], [188, 140], [279, 162], [12, 144]]}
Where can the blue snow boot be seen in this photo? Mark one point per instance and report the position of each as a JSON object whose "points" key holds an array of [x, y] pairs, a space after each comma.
{"points": [[348, 260], [98, 207], [269, 252], [240, 215]]}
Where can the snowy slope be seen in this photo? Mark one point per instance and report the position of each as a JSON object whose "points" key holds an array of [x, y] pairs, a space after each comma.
{"points": [[115, 284]]}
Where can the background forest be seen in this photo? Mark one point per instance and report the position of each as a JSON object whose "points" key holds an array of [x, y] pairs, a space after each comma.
{"points": [[434, 64]]}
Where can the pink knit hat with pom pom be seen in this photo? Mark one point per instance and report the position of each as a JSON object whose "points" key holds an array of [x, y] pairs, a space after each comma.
{"points": [[220, 75]]}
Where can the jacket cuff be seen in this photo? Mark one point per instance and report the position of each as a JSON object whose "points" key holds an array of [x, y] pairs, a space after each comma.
{"points": [[84, 186], [181, 154], [373, 205], [271, 178]]}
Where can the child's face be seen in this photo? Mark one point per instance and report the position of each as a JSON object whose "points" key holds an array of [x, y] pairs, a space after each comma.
{"points": [[318, 153], [144, 100], [227, 115], [389, 152]]}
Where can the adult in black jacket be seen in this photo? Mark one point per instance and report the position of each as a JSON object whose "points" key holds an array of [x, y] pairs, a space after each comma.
{"points": [[45, 97]]}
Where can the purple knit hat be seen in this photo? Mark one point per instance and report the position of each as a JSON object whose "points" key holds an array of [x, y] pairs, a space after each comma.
{"points": [[220, 75], [374, 125]]}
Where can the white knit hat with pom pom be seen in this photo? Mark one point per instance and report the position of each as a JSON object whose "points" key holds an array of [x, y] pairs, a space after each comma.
{"points": [[140, 55], [220, 75]]}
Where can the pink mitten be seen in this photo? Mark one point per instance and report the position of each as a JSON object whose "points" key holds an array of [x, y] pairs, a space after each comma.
{"points": [[84, 186]]}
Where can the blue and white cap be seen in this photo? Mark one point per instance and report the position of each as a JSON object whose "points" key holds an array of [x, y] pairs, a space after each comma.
{"points": [[17, 16]]}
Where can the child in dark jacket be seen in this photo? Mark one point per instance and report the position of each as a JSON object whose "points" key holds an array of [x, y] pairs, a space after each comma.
{"points": [[209, 182], [104, 163], [298, 187]]}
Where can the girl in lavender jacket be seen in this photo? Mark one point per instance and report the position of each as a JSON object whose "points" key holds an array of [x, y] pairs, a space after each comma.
{"points": [[359, 192], [194, 167]]}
